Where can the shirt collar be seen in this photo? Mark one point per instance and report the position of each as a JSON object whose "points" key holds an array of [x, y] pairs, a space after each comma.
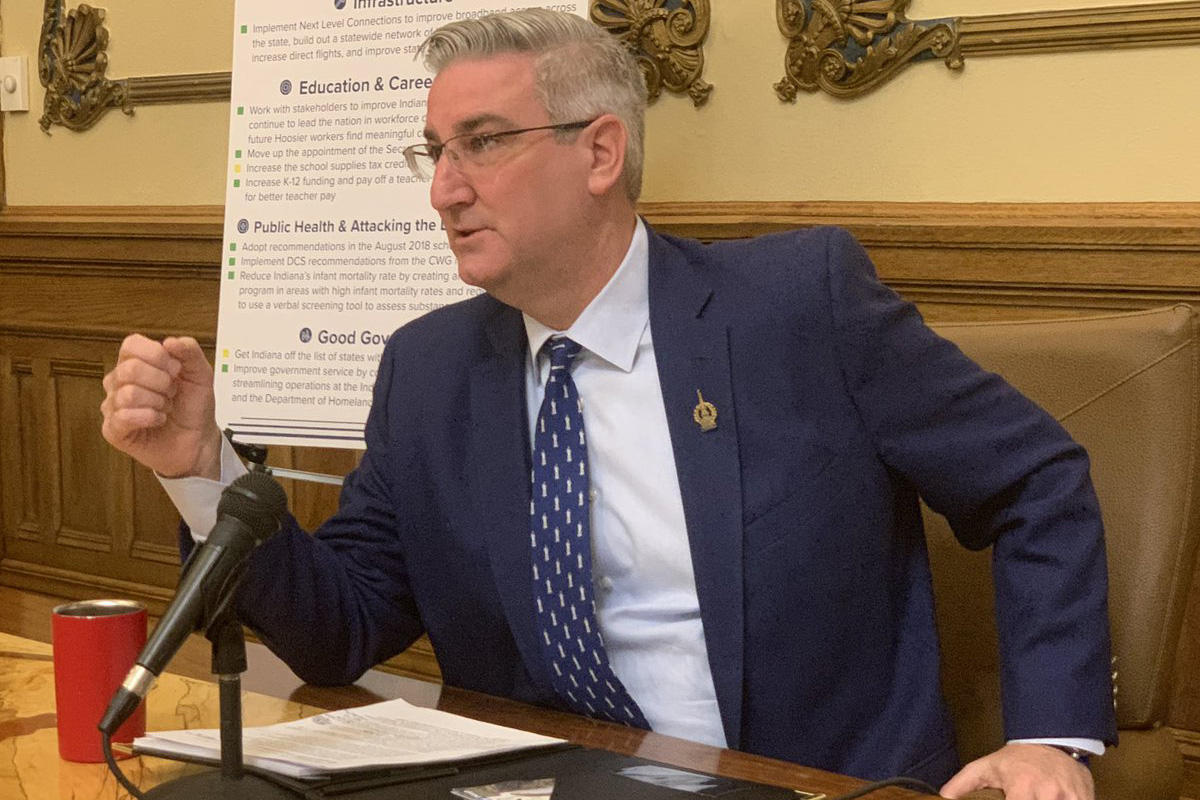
{"points": [[611, 326]]}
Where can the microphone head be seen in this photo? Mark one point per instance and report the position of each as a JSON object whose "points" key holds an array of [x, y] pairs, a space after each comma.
{"points": [[257, 500]]}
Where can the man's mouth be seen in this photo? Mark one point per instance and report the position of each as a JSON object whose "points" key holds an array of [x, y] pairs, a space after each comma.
{"points": [[466, 233]]}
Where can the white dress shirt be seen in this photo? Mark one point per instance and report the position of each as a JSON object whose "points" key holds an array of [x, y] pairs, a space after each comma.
{"points": [[645, 590]]}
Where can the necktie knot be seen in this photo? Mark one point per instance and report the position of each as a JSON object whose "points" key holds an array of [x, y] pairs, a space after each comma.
{"points": [[562, 352]]}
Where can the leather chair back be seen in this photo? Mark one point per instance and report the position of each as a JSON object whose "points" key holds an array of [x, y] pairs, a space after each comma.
{"points": [[1126, 387]]}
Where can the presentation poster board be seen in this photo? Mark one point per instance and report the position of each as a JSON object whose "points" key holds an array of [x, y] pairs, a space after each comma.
{"points": [[329, 243]]}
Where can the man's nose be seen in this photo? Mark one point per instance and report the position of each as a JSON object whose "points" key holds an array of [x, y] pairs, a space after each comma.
{"points": [[449, 186]]}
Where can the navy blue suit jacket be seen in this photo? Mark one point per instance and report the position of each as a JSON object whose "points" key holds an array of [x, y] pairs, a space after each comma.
{"points": [[836, 408]]}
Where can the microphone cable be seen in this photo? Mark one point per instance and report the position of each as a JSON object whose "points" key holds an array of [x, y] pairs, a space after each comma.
{"points": [[127, 784]]}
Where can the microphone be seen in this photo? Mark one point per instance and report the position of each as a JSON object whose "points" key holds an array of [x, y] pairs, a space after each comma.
{"points": [[251, 510]]}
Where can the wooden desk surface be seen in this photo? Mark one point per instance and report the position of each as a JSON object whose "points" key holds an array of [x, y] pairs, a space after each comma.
{"points": [[30, 768]]}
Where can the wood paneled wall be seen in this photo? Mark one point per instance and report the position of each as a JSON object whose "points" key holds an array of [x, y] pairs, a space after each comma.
{"points": [[81, 520]]}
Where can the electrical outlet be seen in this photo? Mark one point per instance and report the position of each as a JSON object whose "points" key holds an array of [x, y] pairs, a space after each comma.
{"points": [[14, 83]]}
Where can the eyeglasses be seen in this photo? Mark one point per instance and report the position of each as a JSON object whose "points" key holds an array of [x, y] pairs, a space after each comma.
{"points": [[472, 150]]}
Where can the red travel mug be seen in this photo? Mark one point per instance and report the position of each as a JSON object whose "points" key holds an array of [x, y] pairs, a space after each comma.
{"points": [[95, 644]]}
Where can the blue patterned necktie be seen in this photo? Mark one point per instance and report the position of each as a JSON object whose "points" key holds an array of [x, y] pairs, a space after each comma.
{"points": [[560, 538]]}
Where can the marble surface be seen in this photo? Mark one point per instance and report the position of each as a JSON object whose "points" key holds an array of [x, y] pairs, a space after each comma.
{"points": [[30, 768]]}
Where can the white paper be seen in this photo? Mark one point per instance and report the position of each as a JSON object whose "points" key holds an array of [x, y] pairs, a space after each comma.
{"points": [[389, 734]]}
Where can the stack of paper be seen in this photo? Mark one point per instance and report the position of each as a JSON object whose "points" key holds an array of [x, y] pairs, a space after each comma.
{"points": [[384, 735]]}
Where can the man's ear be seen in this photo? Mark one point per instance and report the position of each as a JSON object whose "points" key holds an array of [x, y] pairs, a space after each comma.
{"points": [[606, 139]]}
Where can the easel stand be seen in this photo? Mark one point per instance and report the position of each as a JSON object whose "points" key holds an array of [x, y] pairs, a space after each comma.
{"points": [[230, 782], [256, 454]]}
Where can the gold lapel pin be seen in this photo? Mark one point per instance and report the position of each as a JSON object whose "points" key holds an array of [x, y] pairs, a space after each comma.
{"points": [[705, 414]]}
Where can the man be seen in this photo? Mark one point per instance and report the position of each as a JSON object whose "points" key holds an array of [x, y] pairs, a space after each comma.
{"points": [[760, 417]]}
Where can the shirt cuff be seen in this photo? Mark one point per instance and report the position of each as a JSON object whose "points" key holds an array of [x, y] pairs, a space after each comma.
{"points": [[1093, 746], [196, 499]]}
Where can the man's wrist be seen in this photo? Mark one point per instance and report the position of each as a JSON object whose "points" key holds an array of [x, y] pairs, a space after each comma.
{"points": [[209, 462], [1078, 748]]}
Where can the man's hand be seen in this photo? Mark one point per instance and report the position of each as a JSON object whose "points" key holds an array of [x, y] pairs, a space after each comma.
{"points": [[1025, 772], [159, 407]]}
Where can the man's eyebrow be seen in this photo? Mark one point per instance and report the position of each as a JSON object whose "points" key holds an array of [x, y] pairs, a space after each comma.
{"points": [[472, 124]]}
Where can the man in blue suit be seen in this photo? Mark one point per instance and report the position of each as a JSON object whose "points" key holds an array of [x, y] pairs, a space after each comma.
{"points": [[760, 419]]}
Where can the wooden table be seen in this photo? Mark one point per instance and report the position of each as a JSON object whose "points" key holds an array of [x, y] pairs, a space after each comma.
{"points": [[30, 768]]}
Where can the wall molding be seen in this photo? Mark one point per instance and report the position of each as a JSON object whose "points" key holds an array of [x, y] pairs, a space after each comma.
{"points": [[1147, 25], [1165, 222], [67, 583], [1189, 748], [196, 87], [985, 260], [853, 48], [154, 241], [136, 221], [964, 223], [193, 230]]}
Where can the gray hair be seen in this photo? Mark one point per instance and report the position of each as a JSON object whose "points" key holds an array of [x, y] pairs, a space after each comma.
{"points": [[581, 71]]}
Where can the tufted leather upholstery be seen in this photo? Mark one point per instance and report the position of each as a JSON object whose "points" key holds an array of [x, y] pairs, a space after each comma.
{"points": [[1126, 387]]}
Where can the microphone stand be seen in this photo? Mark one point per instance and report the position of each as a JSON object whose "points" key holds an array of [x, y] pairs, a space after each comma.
{"points": [[228, 663]]}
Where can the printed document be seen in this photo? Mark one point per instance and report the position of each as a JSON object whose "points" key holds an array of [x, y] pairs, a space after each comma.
{"points": [[394, 733]]}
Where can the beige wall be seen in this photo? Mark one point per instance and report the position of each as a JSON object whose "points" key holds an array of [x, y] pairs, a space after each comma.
{"points": [[1100, 126], [162, 155], [1114, 126]]}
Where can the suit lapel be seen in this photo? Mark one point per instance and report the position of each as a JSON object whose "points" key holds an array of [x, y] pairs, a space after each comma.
{"points": [[692, 350], [499, 474]]}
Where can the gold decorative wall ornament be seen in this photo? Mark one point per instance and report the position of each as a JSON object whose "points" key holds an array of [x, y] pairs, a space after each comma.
{"points": [[848, 48], [71, 65], [665, 36]]}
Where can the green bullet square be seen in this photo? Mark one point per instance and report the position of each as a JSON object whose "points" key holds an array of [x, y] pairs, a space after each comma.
{"points": [[233, 262], [232, 246], [241, 110], [237, 153], [243, 29], [224, 368], [231, 274], [236, 183]]}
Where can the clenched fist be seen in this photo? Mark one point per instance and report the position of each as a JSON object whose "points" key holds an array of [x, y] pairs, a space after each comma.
{"points": [[159, 407]]}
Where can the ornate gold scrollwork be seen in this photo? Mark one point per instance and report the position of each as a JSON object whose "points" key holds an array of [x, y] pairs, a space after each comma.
{"points": [[71, 65], [850, 47], [666, 37]]}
